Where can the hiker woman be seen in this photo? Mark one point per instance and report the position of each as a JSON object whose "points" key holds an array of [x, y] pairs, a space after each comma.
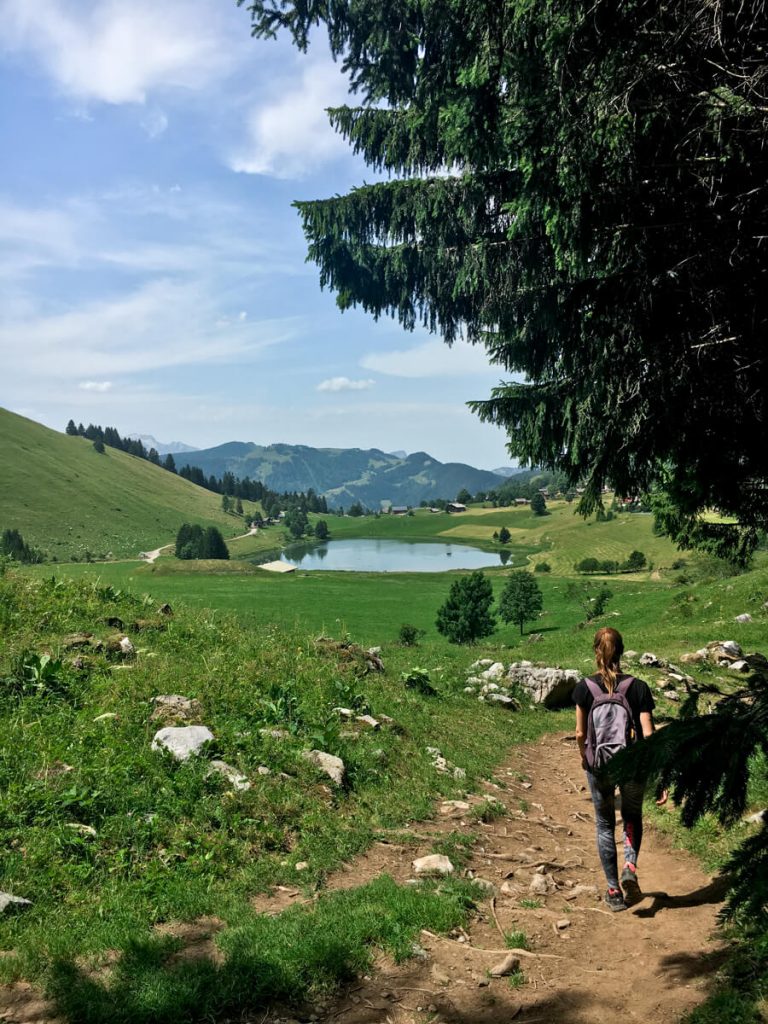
{"points": [[622, 712]]}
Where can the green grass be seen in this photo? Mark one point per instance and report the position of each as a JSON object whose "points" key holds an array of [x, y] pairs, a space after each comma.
{"points": [[128, 838], [68, 500]]}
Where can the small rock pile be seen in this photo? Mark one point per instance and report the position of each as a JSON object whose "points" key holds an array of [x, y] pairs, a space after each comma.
{"points": [[551, 687]]}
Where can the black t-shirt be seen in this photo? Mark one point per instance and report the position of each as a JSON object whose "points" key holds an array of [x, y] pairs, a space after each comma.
{"points": [[639, 698]]}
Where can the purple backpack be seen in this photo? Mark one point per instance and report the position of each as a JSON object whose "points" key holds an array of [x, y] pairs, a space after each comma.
{"points": [[610, 724]]}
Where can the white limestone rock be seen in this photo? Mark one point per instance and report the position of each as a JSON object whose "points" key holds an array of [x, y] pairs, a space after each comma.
{"points": [[331, 765], [433, 864], [182, 742], [238, 782]]}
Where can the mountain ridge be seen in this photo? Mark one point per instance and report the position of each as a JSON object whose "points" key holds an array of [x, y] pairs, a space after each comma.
{"points": [[344, 475]]}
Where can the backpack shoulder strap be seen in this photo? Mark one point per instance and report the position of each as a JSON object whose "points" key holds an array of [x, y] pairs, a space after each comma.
{"points": [[593, 688], [624, 685]]}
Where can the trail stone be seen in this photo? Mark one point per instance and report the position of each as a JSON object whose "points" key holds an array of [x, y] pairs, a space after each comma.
{"points": [[672, 695], [739, 666], [433, 864], [469, 689], [302, 865], [744, 617], [486, 885], [126, 646], [480, 663], [331, 765], [509, 889], [551, 687], [542, 884], [509, 965], [182, 742], [726, 648], [9, 902], [263, 770], [76, 640], [345, 712], [237, 781], [585, 890], [490, 688], [454, 807], [172, 707], [631, 655], [693, 658]]}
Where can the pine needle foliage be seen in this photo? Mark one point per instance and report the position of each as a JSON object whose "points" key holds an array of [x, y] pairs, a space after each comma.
{"points": [[580, 188]]}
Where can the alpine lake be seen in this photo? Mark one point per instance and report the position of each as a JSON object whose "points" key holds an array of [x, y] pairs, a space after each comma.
{"points": [[377, 555]]}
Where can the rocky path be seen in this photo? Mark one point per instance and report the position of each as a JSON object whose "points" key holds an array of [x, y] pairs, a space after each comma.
{"points": [[582, 965], [585, 964]]}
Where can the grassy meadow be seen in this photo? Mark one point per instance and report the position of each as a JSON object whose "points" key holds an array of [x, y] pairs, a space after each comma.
{"points": [[73, 503], [112, 840]]}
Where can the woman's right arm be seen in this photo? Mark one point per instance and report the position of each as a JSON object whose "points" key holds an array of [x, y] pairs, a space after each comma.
{"points": [[581, 733]]}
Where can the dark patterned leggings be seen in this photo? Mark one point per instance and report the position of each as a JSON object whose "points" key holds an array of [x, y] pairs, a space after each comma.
{"points": [[604, 800]]}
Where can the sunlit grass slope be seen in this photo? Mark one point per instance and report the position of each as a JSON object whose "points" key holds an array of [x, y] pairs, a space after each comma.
{"points": [[67, 499]]}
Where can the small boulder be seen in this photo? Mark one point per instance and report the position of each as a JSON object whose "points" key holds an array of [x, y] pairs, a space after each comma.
{"points": [[672, 695], [485, 885], [509, 965], [551, 687], [650, 660], [502, 699], [165, 609], [496, 671], [693, 658], [172, 707], [454, 808], [9, 902], [331, 765], [490, 688], [542, 884], [370, 721], [345, 712], [739, 666], [433, 864], [480, 663], [744, 617], [235, 779], [182, 742], [630, 655]]}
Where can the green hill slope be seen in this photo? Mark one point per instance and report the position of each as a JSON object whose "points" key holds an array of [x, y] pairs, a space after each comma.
{"points": [[65, 498]]}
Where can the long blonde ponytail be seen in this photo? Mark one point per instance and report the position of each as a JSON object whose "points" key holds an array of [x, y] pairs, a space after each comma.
{"points": [[609, 648]]}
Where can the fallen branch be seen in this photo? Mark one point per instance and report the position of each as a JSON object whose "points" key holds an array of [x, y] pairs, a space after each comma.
{"points": [[482, 949]]}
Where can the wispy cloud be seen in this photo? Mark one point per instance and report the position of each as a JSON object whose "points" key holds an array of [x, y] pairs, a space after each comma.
{"points": [[154, 123], [100, 386], [345, 384], [160, 325], [114, 52], [432, 358], [289, 135]]}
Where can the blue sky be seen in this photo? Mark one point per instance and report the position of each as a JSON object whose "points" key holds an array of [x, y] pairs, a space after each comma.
{"points": [[152, 270]]}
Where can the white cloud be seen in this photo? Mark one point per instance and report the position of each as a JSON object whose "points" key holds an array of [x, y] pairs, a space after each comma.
{"points": [[99, 386], [154, 123], [163, 324], [345, 384], [430, 359], [110, 51], [290, 135]]}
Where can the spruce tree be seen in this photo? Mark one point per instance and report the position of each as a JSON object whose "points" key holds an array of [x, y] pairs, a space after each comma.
{"points": [[467, 615], [71, 429], [584, 194], [521, 599]]}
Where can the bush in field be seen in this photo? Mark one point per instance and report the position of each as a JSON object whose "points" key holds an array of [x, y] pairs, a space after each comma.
{"points": [[466, 615], [14, 546], [542, 567], [409, 635]]}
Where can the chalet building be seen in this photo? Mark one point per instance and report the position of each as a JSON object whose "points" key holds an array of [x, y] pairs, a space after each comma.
{"points": [[399, 510], [455, 506]]}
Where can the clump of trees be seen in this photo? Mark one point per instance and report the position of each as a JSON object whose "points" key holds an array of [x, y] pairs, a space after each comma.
{"points": [[192, 541], [539, 504], [635, 562], [13, 545]]}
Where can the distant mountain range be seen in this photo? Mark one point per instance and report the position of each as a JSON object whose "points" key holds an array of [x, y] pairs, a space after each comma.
{"points": [[172, 448], [344, 475]]}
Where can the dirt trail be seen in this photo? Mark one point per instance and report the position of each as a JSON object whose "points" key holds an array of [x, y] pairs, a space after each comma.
{"points": [[651, 963]]}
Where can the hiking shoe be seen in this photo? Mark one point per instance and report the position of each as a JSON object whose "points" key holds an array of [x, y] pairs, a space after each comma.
{"points": [[630, 885], [615, 900]]}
